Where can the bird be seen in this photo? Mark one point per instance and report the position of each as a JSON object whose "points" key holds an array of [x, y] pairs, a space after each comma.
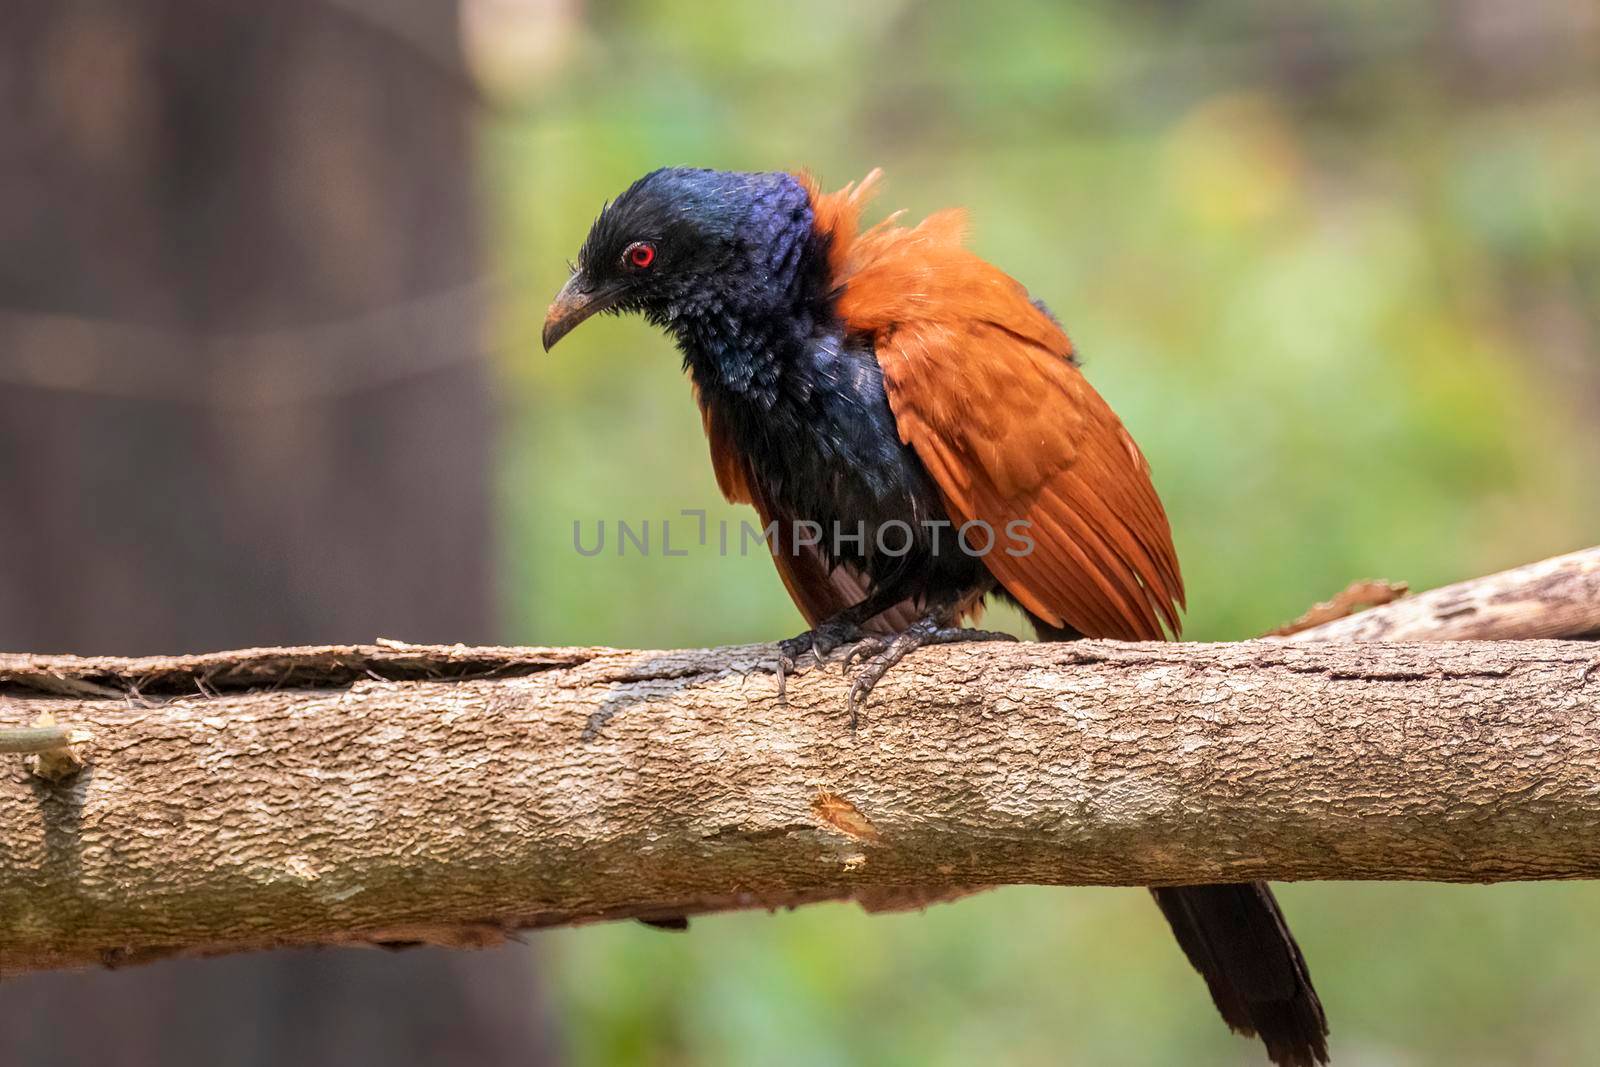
{"points": [[886, 387]]}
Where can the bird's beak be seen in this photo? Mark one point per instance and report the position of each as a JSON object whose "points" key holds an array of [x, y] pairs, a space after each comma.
{"points": [[575, 302]]}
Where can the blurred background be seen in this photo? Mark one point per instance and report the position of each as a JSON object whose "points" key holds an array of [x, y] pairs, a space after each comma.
{"points": [[269, 371]]}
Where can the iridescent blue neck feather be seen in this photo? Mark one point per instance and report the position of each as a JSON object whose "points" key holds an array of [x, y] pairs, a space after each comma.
{"points": [[758, 295]]}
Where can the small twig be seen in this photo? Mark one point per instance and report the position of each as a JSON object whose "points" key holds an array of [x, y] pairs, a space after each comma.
{"points": [[31, 740], [1357, 596], [54, 752]]}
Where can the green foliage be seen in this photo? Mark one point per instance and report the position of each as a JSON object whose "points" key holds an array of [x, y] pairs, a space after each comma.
{"points": [[1348, 310]]}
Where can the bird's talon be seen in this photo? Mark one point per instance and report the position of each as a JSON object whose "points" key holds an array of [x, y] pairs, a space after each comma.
{"points": [[859, 693], [862, 650], [877, 655], [785, 664], [818, 643]]}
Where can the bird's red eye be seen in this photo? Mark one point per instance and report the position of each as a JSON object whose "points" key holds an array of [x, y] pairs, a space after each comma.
{"points": [[640, 254]]}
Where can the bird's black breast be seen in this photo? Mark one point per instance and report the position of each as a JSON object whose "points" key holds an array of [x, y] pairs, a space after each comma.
{"points": [[825, 449]]}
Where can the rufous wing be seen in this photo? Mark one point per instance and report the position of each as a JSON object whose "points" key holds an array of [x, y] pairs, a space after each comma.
{"points": [[984, 389]]}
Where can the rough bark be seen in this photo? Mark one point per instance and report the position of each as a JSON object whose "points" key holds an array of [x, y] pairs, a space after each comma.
{"points": [[452, 795]]}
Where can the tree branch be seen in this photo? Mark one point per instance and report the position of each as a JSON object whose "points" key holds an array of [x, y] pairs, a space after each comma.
{"points": [[1557, 597], [399, 793]]}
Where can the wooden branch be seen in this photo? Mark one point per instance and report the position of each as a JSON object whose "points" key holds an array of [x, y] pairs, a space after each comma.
{"points": [[1557, 597], [454, 795]]}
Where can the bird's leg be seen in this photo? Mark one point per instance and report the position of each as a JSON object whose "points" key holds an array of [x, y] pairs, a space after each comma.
{"points": [[879, 653]]}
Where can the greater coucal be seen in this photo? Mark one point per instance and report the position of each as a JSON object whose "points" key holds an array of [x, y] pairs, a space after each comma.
{"points": [[888, 388]]}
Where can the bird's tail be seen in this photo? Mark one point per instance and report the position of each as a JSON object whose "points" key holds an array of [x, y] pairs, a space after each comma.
{"points": [[1237, 939], [1239, 942]]}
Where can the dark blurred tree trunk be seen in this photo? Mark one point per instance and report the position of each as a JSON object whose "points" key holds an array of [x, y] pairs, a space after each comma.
{"points": [[243, 401]]}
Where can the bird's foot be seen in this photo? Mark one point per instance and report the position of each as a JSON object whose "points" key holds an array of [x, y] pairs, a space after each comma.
{"points": [[878, 654], [827, 637]]}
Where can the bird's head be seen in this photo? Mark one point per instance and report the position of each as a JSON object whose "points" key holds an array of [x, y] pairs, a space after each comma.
{"points": [[680, 242]]}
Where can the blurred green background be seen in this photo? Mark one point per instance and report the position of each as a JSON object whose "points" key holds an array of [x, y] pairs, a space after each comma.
{"points": [[1338, 268]]}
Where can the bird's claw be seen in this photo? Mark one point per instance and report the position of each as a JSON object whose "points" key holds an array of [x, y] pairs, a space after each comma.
{"points": [[784, 665], [878, 655], [868, 646], [819, 642], [873, 655]]}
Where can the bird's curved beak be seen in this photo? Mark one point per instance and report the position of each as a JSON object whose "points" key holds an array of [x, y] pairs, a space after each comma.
{"points": [[576, 301]]}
